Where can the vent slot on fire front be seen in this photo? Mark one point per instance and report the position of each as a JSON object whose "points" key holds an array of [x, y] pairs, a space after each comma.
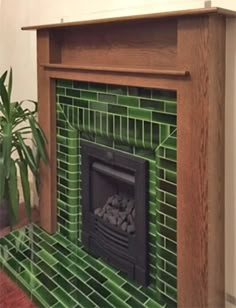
{"points": [[112, 236]]}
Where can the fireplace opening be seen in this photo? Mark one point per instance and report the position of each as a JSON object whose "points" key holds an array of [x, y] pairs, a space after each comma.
{"points": [[114, 208]]}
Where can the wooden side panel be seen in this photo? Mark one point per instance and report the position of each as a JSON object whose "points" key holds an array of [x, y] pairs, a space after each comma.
{"points": [[144, 44], [47, 119], [200, 186], [192, 184], [216, 234]]}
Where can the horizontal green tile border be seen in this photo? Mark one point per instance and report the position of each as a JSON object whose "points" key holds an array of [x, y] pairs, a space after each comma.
{"points": [[138, 121]]}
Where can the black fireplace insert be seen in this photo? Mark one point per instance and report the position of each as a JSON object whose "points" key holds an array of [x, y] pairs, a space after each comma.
{"points": [[114, 208]]}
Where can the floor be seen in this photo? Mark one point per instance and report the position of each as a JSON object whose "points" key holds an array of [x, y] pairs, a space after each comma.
{"points": [[11, 296], [56, 273]]}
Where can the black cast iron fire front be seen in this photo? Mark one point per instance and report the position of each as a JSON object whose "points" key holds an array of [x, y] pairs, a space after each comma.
{"points": [[114, 208]]}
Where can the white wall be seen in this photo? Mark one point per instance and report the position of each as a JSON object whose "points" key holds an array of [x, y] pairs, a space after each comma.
{"points": [[18, 50]]}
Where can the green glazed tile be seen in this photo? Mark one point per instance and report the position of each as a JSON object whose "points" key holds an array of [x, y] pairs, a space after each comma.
{"points": [[62, 270], [95, 285], [111, 275], [47, 247], [99, 87], [134, 292], [61, 258], [96, 275], [168, 278], [46, 281], [121, 110], [117, 302], [99, 300], [31, 267], [171, 199], [172, 292], [73, 92], [170, 177], [142, 92], [117, 290], [107, 98], [64, 83], [170, 107], [13, 264], [62, 249], [164, 94], [128, 101], [134, 303], [58, 305], [172, 269], [88, 95], [64, 297], [98, 106], [78, 272], [83, 300], [80, 84], [45, 268], [63, 283], [86, 288], [152, 104], [140, 114], [152, 304], [163, 118], [29, 279], [65, 100], [93, 262], [60, 91], [44, 296], [116, 89], [83, 103]]}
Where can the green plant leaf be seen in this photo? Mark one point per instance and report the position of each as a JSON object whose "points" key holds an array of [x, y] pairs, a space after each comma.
{"points": [[13, 193], [5, 98], [10, 85], [2, 179], [6, 146], [39, 142], [25, 186], [29, 157], [3, 77]]}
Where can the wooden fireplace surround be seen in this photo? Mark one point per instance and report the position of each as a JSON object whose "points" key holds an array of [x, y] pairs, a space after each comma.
{"points": [[184, 51]]}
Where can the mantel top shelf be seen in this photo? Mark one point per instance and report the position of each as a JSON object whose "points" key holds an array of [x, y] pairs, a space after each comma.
{"points": [[182, 13]]}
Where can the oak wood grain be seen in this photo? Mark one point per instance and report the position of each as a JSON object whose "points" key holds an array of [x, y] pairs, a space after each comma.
{"points": [[200, 166], [162, 72], [180, 13], [47, 120]]}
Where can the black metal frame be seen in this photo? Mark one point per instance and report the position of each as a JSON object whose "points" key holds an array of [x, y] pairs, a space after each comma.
{"points": [[127, 252]]}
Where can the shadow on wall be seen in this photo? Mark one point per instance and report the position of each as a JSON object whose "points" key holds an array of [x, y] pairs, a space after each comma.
{"points": [[230, 159]]}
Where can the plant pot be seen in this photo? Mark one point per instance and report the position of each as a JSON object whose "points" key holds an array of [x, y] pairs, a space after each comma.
{"points": [[4, 215]]}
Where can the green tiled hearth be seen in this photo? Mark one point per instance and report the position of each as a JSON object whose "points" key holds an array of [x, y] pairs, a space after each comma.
{"points": [[55, 270]]}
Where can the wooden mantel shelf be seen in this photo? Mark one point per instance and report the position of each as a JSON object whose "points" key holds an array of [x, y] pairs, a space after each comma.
{"points": [[182, 51], [180, 13], [174, 73]]}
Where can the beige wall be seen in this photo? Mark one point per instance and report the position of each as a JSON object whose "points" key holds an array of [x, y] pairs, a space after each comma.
{"points": [[17, 49]]}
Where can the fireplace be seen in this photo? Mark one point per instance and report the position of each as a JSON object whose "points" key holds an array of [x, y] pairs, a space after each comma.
{"points": [[114, 208], [182, 51]]}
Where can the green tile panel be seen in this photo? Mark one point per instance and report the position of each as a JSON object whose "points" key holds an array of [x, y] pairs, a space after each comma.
{"points": [[138, 121]]}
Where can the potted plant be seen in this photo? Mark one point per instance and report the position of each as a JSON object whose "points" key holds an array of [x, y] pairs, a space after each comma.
{"points": [[18, 128]]}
